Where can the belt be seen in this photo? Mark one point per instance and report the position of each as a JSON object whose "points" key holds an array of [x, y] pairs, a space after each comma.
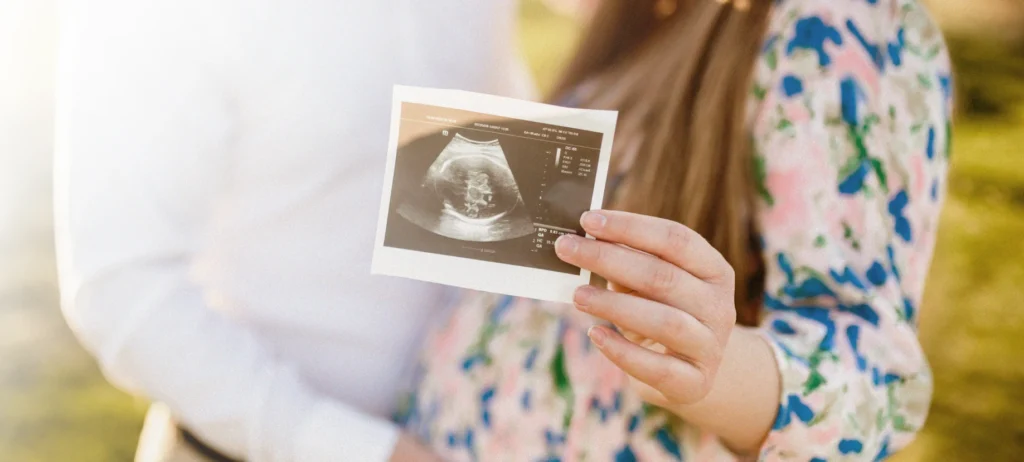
{"points": [[202, 448]]}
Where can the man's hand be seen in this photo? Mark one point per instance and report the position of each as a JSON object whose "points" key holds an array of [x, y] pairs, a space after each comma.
{"points": [[409, 450]]}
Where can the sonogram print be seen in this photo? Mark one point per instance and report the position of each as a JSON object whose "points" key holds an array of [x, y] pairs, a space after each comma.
{"points": [[477, 193]]}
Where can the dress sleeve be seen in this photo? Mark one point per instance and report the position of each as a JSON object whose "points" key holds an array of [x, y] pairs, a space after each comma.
{"points": [[851, 133]]}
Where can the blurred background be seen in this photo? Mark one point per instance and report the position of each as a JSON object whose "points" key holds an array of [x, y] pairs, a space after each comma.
{"points": [[56, 406]]}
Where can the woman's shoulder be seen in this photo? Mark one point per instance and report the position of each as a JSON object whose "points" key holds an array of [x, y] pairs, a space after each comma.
{"points": [[866, 86], [881, 12], [890, 48], [884, 30]]}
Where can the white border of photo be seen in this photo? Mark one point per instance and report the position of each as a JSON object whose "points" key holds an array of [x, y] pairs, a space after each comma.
{"points": [[478, 274]]}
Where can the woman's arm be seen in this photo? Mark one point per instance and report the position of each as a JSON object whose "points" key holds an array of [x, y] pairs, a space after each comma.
{"points": [[850, 178], [851, 144]]}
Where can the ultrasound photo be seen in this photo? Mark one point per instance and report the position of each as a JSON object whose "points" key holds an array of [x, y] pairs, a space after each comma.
{"points": [[472, 186], [469, 194], [496, 189]]}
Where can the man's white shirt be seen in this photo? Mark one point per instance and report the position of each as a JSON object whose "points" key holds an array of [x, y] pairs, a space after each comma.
{"points": [[218, 172]]}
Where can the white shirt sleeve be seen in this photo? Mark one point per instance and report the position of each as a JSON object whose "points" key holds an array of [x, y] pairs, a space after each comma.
{"points": [[143, 150]]}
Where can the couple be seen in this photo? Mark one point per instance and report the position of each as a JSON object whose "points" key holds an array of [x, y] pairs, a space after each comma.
{"points": [[218, 172]]}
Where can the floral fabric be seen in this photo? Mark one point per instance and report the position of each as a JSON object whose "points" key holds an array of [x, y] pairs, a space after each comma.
{"points": [[850, 115]]}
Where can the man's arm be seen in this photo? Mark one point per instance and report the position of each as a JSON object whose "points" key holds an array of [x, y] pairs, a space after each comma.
{"points": [[143, 136]]}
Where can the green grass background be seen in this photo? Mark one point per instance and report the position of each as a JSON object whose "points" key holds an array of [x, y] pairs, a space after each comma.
{"points": [[55, 405]]}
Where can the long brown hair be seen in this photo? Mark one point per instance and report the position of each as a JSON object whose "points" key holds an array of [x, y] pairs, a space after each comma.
{"points": [[680, 78]]}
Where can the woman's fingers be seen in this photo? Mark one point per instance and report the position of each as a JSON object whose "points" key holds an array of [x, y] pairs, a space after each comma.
{"points": [[667, 239], [678, 380], [677, 330], [647, 274], [683, 299]]}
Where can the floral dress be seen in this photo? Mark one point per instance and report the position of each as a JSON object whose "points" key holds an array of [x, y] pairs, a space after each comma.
{"points": [[850, 113]]}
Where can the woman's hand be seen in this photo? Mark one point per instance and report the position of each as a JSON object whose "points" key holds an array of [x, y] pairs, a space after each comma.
{"points": [[671, 297]]}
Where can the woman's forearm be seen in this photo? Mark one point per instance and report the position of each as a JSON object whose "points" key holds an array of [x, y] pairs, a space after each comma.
{"points": [[744, 399]]}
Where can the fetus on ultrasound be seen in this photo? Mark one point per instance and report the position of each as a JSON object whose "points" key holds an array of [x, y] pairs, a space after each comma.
{"points": [[480, 200], [476, 188], [478, 195]]}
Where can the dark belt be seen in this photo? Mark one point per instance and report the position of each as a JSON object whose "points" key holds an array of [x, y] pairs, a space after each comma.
{"points": [[202, 448]]}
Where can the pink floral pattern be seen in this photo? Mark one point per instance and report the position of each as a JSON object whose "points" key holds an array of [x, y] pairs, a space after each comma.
{"points": [[850, 112]]}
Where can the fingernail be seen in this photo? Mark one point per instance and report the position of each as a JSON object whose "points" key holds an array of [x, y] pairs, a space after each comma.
{"points": [[597, 335], [583, 295], [593, 220], [566, 245]]}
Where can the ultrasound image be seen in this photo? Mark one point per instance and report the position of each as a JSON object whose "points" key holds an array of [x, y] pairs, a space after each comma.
{"points": [[480, 198], [476, 186]]}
